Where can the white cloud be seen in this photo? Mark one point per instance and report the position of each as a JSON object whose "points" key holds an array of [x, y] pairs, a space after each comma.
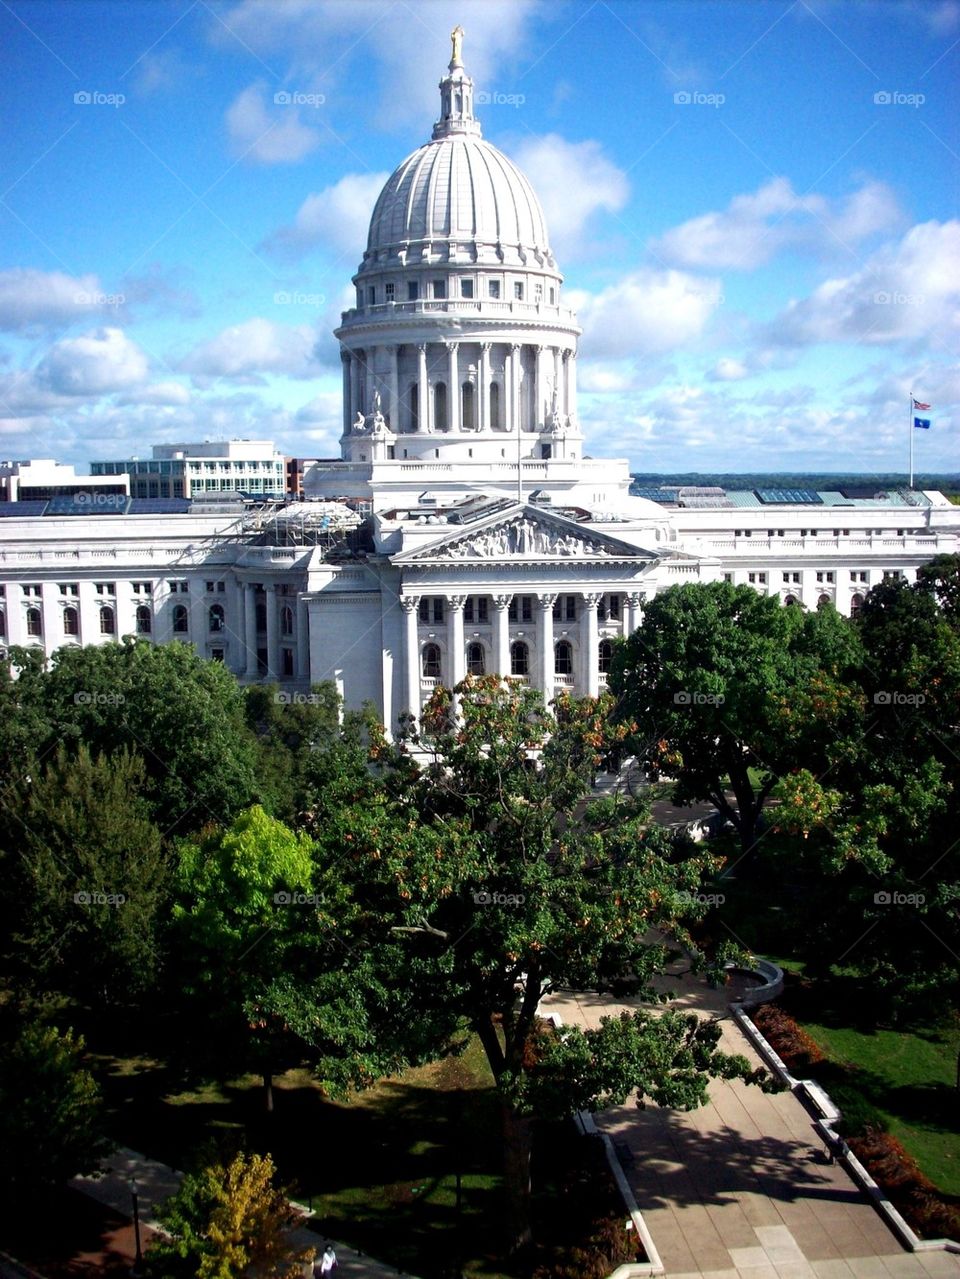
{"points": [[754, 228], [171, 393], [35, 299], [728, 370], [907, 290], [335, 218], [244, 352], [411, 44], [274, 136], [94, 364], [648, 311], [573, 180]]}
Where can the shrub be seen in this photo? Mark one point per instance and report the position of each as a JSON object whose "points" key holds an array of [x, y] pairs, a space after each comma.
{"points": [[799, 1052], [899, 1175]]}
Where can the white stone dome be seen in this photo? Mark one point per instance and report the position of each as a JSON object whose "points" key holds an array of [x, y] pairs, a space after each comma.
{"points": [[460, 191]]}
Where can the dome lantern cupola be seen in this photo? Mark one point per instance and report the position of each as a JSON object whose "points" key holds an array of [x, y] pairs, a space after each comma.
{"points": [[456, 95]]}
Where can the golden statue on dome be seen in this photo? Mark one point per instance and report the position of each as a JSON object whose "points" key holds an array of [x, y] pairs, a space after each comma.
{"points": [[456, 35]]}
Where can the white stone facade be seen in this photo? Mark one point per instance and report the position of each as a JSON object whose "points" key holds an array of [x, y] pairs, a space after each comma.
{"points": [[492, 545]]}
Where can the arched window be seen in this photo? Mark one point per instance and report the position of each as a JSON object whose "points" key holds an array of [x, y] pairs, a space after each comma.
{"points": [[494, 406], [413, 399], [431, 661], [286, 620], [823, 601], [790, 599], [467, 411], [144, 620], [181, 623], [34, 623], [476, 660], [216, 617], [440, 407], [71, 621], [519, 659], [604, 657], [563, 658], [856, 604], [108, 623]]}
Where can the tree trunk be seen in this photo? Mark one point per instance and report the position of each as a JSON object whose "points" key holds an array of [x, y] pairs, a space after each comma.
{"points": [[268, 1092], [517, 1145]]}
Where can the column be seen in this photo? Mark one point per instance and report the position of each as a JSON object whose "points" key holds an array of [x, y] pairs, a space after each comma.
{"points": [[516, 410], [411, 652], [507, 389], [458, 664], [483, 400], [303, 640], [570, 386], [423, 389], [52, 618], [250, 628], [590, 645], [453, 386], [354, 386], [545, 656], [501, 634], [345, 363], [273, 633], [631, 613], [393, 413], [558, 380], [538, 412]]}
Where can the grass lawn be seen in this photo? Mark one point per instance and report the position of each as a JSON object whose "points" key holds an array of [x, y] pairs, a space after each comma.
{"points": [[906, 1074], [379, 1169]]}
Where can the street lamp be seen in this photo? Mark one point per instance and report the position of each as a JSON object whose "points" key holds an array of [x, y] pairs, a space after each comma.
{"points": [[135, 1196]]}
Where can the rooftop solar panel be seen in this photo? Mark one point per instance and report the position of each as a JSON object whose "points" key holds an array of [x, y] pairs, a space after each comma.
{"points": [[789, 497], [21, 508], [861, 491], [655, 495], [88, 504], [159, 506]]}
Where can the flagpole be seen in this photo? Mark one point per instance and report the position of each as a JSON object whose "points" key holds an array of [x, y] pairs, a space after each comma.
{"points": [[910, 426]]}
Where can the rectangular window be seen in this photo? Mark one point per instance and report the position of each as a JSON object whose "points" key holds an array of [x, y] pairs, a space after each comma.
{"points": [[440, 289], [413, 291], [521, 609], [68, 588], [371, 295], [728, 577], [518, 291], [553, 296], [106, 588], [389, 289], [466, 288], [538, 293], [493, 288]]}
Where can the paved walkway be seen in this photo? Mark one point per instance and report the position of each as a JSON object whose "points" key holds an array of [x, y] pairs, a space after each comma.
{"points": [[156, 1182], [740, 1189]]}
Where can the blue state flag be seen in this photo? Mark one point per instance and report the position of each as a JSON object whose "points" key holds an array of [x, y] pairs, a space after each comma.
{"points": [[921, 423]]}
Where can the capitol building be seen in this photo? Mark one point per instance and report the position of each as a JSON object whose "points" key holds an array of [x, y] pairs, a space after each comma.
{"points": [[462, 530]]}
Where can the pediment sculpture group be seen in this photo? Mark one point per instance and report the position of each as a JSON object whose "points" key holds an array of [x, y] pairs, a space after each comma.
{"points": [[522, 537]]}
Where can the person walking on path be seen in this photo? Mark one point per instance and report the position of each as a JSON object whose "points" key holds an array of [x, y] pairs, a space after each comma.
{"points": [[327, 1263]]}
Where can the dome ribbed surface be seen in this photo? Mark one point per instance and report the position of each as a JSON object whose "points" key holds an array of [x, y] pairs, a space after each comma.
{"points": [[458, 188]]}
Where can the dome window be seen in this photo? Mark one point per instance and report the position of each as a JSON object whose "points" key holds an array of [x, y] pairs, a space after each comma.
{"points": [[518, 290], [466, 288], [440, 420], [538, 293], [440, 290], [553, 296], [467, 409], [413, 291], [494, 406], [371, 295], [388, 290], [493, 288]]}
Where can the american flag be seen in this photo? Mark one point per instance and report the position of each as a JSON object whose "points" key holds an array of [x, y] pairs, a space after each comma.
{"points": [[918, 405]]}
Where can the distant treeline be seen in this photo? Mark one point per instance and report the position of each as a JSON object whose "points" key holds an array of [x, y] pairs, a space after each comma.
{"points": [[792, 480]]}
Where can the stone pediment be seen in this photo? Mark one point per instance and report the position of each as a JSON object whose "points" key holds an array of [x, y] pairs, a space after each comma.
{"points": [[527, 534]]}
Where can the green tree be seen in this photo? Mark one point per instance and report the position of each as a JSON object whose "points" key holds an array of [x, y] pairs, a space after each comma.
{"points": [[51, 1116], [491, 885], [182, 714], [228, 1221], [726, 689], [86, 878], [261, 927]]}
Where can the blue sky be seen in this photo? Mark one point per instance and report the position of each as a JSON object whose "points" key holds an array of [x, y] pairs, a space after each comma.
{"points": [[755, 207]]}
